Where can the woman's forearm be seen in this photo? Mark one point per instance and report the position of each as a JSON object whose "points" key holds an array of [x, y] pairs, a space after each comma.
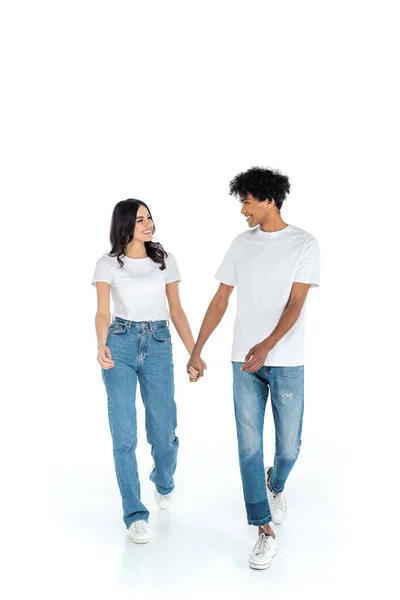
{"points": [[102, 323], [182, 326]]}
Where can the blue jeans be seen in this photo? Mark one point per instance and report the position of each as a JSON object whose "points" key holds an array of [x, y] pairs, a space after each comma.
{"points": [[141, 351], [250, 391]]}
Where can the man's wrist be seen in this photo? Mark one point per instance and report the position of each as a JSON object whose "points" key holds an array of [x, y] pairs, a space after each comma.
{"points": [[268, 343], [196, 352]]}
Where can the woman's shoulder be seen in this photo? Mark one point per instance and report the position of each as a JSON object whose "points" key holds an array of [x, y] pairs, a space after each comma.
{"points": [[170, 256], [109, 263], [109, 260]]}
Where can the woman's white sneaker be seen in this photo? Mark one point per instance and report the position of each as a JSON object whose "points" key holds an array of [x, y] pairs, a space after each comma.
{"points": [[138, 532], [277, 502], [163, 501], [263, 552]]}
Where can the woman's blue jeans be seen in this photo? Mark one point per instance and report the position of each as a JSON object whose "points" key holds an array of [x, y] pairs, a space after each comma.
{"points": [[141, 351], [250, 390]]}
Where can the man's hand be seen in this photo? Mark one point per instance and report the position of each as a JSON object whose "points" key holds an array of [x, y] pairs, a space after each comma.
{"points": [[195, 367], [256, 357]]}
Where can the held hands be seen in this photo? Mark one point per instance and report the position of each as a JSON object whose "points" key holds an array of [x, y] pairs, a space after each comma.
{"points": [[195, 368], [104, 358], [256, 357]]}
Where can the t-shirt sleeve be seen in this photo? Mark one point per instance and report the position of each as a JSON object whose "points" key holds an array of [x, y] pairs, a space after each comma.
{"points": [[226, 272], [172, 269], [308, 269], [102, 271]]}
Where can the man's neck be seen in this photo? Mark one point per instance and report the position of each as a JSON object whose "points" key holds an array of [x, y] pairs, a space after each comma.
{"points": [[273, 224]]}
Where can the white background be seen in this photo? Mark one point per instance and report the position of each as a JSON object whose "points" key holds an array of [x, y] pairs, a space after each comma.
{"points": [[166, 102]]}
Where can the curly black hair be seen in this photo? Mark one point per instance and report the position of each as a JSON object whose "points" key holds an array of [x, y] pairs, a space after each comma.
{"points": [[261, 184]]}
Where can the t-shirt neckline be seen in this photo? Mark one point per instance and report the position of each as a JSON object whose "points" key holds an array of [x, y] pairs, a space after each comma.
{"points": [[272, 234], [137, 259]]}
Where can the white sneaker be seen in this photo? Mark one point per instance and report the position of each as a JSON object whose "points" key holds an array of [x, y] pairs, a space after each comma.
{"points": [[277, 502], [138, 532], [263, 552], [163, 501]]}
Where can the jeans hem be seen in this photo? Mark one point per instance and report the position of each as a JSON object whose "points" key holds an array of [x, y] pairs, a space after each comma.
{"points": [[133, 521], [165, 493], [259, 522], [274, 491]]}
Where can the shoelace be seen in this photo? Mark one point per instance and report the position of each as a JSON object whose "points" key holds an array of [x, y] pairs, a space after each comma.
{"points": [[262, 544], [166, 497], [140, 527]]}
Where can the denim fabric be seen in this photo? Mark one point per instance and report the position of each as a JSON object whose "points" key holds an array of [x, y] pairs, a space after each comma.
{"points": [[250, 390], [141, 351]]}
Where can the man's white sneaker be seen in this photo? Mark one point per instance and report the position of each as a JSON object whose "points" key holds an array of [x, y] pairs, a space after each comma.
{"points": [[163, 501], [277, 502], [138, 532], [263, 552]]}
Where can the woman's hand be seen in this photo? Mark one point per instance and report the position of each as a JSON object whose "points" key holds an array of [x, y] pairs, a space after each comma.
{"points": [[194, 374], [104, 358]]}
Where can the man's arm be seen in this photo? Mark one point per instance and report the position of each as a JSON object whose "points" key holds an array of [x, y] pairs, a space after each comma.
{"points": [[213, 317], [256, 356]]}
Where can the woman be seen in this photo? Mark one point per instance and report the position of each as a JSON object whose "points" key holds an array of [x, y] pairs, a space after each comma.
{"points": [[137, 347]]}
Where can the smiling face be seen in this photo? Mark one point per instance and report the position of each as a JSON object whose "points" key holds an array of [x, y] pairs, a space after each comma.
{"points": [[144, 225], [254, 211]]}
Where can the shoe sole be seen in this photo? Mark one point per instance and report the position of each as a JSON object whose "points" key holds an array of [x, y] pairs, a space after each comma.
{"points": [[262, 567], [138, 541], [281, 521]]}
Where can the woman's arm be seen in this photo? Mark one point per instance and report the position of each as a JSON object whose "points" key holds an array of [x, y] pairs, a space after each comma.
{"points": [[102, 322], [178, 316]]}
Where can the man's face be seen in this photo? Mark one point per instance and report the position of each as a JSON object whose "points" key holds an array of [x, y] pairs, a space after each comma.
{"points": [[253, 210]]}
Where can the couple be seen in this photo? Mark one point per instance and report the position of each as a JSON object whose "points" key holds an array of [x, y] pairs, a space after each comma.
{"points": [[273, 266]]}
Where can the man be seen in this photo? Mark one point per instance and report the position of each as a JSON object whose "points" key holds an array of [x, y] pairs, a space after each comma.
{"points": [[273, 266]]}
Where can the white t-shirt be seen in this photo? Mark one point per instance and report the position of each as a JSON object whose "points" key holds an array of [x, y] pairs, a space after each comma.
{"points": [[263, 265], [138, 288]]}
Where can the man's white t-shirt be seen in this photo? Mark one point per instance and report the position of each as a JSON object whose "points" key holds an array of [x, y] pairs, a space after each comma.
{"points": [[264, 265], [138, 288]]}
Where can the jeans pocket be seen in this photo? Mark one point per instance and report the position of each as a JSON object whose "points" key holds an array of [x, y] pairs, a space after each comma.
{"points": [[116, 328], [161, 334], [295, 373]]}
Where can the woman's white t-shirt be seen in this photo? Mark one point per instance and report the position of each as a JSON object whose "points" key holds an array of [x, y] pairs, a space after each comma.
{"points": [[138, 289], [264, 265]]}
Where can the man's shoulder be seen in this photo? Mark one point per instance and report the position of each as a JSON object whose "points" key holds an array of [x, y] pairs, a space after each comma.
{"points": [[302, 233], [242, 237]]}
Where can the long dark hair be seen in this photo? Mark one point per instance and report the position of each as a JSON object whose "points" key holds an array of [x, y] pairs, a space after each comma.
{"points": [[123, 223]]}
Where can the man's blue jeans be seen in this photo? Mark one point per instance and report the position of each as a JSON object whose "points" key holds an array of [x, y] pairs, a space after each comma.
{"points": [[250, 390], [141, 351]]}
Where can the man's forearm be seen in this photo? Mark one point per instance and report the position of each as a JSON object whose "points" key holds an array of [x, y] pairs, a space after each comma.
{"points": [[212, 318], [285, 323]]}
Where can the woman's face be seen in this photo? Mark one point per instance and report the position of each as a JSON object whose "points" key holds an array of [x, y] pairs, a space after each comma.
{"points": [[144, 225]]}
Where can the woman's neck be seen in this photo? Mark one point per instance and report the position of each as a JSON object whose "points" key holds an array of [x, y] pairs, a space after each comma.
{"points": [[136, 249]]}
